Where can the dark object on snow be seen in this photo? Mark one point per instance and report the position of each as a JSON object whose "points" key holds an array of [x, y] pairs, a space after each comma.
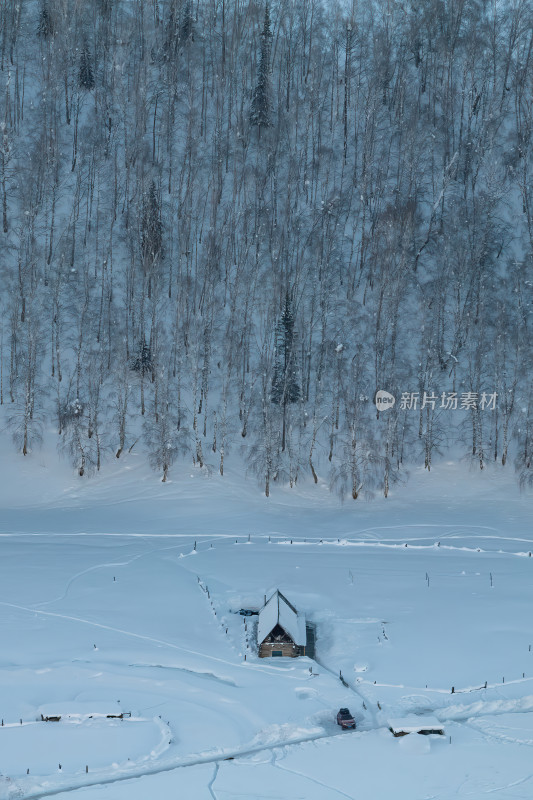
{"points": [[425, 725], [50, 719], [248, 612], [345, 719], [310, 633]]}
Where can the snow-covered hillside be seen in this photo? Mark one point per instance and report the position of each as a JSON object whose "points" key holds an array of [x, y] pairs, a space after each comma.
{"points": [[227, 226], [120, 598]]}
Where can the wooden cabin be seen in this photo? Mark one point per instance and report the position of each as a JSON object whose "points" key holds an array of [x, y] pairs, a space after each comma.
{"points": [[413, 724], [281, 629]]}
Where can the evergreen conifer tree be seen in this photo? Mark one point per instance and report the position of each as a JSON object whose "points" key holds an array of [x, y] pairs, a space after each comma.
{"points": [[260, 111], [170, 43], [186, 22], [46, 26], [105, 7], [152, 228], [285, 383], [85, 74], [285, 388], [143, 362]]}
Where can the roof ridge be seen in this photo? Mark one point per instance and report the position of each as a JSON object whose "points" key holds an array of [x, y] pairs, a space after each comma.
{"points": [[286, 601]]}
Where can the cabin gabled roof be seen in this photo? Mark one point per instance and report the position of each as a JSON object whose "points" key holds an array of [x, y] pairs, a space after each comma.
{"points": [[278, 611]]}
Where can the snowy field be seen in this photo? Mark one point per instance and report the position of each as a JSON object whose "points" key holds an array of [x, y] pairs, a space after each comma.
{"points": [[107, 608]]}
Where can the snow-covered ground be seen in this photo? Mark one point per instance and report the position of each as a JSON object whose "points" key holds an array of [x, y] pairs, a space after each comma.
{"points": [[118, 596]]}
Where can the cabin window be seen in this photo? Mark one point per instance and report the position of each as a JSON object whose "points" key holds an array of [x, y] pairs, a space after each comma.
{"points": [[277, 652]]}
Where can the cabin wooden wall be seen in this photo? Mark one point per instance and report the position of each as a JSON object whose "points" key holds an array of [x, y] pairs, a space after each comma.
{"points": [[287, 648]]}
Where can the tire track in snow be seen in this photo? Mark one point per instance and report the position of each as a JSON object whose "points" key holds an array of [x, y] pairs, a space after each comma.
{"points": [[356, 692], [176, 764], [102, 626], [79, 575], [277, 765], [212, 781], [495, 736], [453, 530], [143, 637], [509, 785], [106, 565]]}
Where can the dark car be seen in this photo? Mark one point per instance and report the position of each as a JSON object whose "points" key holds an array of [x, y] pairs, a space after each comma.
{"points": [[345, 719], [248, 612]]}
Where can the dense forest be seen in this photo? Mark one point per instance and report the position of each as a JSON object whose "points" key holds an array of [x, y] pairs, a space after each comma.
{"points": [[226, 224]]}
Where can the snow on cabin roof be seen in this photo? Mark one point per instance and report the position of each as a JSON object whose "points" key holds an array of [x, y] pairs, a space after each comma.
{"points": [[414, 723], [276, 611]]}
